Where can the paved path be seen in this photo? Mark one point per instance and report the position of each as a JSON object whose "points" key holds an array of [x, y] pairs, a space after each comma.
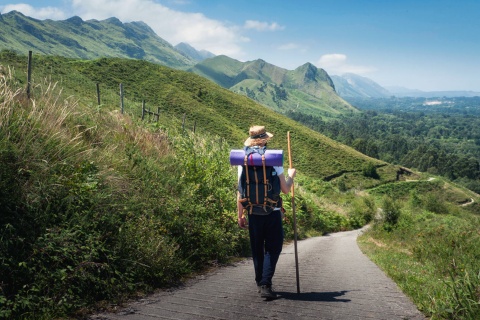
{"points": [[337, 281]]}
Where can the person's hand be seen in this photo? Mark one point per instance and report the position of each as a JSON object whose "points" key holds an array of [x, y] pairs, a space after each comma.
{"points": [[242, 222], [292, 172]]}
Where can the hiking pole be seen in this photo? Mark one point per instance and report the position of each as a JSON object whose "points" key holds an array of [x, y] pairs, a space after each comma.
{"points": [[294, 216]]}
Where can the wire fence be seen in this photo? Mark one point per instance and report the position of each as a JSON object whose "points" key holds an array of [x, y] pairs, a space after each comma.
{"points": [[96, 94]]}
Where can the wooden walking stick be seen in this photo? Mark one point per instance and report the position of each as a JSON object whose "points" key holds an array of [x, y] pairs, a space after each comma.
{"points": [[294, 216]]}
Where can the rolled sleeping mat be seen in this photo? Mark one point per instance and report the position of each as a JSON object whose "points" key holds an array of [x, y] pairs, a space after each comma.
{"points": [[272, 158]]}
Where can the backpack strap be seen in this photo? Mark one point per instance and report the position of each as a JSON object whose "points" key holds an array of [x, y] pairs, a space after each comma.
{"points": [[245, 162], [265, 183]]}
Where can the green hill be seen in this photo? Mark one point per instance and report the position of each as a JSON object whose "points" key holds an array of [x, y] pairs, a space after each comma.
{"points": [[90, 39], [306, 89], [214, 110]]}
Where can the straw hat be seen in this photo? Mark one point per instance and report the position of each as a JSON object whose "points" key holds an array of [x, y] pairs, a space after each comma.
{"points": [[258, 136]]}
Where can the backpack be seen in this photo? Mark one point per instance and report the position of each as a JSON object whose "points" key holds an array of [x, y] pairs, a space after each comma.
{"points": [[259, 186]]}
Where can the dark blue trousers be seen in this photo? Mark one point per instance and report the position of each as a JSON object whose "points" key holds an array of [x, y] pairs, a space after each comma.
{"points": [[266, 241]]}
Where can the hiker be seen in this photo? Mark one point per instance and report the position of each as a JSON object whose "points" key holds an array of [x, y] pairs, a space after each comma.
{"points": [[264, 225]]}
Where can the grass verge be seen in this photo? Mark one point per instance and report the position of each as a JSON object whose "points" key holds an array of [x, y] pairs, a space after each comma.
{"points": [[434, 258]]}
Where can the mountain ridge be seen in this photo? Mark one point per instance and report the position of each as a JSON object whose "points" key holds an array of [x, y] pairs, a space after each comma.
{"points": [[309, 88], [353, 86], [193, 53], [111, 37], [76, 38], [306, 89], [350, 85]]}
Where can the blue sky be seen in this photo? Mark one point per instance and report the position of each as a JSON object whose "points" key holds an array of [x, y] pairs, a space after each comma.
{"points": [[418, 44]]}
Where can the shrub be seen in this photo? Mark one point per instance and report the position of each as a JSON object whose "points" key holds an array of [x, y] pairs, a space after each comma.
{"points": [[391, 211], [342, 186], [362, 211], [434, 203]]}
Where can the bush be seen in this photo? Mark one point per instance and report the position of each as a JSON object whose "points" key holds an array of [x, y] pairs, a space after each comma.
{"points": [[433, 203], [391, 211], [362, 211]]}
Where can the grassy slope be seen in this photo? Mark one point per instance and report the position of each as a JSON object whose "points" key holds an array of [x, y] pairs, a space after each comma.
{"points": [[220, 69], [214, 109], [433, 251]]}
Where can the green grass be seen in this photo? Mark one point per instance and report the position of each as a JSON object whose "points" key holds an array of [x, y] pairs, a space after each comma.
{"points": [[433, 257]]}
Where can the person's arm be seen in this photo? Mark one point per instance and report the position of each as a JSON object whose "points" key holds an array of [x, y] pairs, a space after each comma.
{"points": [[242, 221], [286, 184]]}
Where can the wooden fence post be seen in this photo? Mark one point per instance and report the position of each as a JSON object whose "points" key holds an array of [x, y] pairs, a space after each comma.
{"points": [[158, 114], [29, 74], [121, 97], [98, 93], [143, 109]]}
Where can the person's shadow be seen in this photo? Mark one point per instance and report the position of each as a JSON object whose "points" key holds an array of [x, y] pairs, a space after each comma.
{"points": [[314, 296]]}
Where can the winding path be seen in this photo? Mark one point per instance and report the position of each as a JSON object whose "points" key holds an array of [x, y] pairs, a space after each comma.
{"points": [[337, 281]]}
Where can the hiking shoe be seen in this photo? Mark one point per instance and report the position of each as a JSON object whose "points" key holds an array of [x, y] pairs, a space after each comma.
{"points": [[259, 288], [266, 292]]}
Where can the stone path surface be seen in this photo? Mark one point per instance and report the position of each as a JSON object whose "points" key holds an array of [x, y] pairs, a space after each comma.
{"points": [[337, 281]]}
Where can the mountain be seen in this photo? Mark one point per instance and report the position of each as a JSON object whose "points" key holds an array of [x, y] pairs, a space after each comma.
{"points": [[90, 39], [405, 92], [192, 53], [350, 85], [306, 89]]}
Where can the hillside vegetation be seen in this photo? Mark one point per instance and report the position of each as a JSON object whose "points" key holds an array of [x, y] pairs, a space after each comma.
{"points": [[98, 206], [429, 246], [438, 141], [213, 109]]}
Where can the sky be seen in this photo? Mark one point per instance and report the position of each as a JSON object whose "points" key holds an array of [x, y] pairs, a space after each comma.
{"points": [[428, 45]]}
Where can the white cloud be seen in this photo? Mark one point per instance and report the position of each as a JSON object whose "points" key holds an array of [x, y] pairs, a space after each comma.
{"points": [[37, 13], [336, 63], [332, 60], [262, 26], [288, 46], [173, 26]]}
